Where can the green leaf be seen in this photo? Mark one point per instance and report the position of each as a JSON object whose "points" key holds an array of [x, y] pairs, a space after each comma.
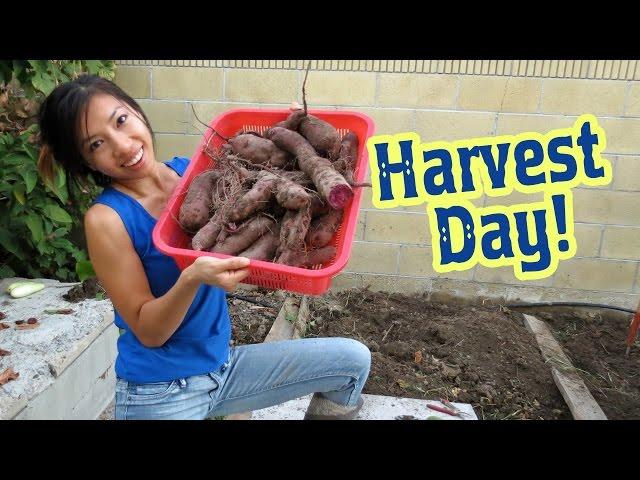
{"points": [[62, 243], [6, 272], [93, 66], [44, 83], [63, 272], [14, 160], [30, 179], [57, 214], [60, 186], [39, 66], [32, 152], [18, 192], [84, 269], [34, 222], [10, 243]]}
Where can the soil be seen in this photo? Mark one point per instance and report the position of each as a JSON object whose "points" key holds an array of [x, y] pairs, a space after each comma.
{"points": [[595, 342], [251, 322], [477, 354], [87, 289]]}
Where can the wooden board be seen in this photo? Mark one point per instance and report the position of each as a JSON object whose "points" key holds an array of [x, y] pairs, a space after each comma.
{"points": [[573, 389]]}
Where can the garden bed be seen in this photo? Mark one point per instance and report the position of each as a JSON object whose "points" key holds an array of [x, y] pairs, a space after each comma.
{"points": [[595, 341], [477, 354]]}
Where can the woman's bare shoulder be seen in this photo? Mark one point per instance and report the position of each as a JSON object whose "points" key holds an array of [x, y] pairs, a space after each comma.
{"points": [[100, 217]]}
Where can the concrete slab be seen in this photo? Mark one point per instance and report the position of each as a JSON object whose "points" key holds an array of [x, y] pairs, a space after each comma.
{"points": [[44, 354], [376, 407]]}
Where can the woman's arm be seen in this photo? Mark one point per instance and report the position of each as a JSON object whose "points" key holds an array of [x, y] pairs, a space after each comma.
{"points": [[120, 271]]}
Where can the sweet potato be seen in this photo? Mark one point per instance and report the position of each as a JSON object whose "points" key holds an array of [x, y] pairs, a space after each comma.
{"points": [[259, 150], [294, 227], [291, 195], [308, 259], [208, 234], [321, 135], [323, 228], [256, 199], [245, 235], [265, 247], [347, 158], [196, 207], [318, 206], [330, 184]]}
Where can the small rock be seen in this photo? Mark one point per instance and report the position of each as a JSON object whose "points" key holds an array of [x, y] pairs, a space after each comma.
{"points": [[473, 377], [450, 372], [373, 346]]}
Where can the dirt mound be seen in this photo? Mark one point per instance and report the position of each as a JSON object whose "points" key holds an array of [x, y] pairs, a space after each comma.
{"points": [[87, 289], [475, 354]]}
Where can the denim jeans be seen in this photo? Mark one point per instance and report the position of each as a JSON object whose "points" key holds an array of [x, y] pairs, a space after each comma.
{"points": [[255, 376]]}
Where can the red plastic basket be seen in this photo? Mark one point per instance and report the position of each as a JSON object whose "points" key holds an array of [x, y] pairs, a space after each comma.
{"points": [[170, 239]]}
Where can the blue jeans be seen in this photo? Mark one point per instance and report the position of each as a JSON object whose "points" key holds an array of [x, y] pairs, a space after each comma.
{"points": [[255, 376]]}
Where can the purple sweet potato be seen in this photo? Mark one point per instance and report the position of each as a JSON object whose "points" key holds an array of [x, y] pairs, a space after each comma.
{"points": [[256, 199], [345, 164], [330, 184], [259, 150], [245, 235], [196, 207], [208, 234], [265, 247], [308, 259], [323, 228]]}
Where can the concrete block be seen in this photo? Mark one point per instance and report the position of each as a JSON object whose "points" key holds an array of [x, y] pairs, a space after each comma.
{"points": [[417, 90]]}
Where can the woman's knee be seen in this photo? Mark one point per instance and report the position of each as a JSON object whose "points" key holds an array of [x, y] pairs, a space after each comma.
{"points": [[357, 353]]}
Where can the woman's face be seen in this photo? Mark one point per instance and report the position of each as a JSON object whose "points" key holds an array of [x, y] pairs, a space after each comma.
{"points": [[115, 139]]}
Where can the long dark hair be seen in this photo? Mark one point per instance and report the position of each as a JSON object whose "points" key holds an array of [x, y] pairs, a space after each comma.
{"points": [[60, 121]]}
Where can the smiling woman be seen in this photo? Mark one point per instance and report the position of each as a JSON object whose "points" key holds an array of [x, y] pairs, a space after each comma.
{"points": [[174, 360]]}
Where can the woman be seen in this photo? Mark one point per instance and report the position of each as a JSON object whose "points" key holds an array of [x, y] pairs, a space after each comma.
{"points": [[174, 359]]}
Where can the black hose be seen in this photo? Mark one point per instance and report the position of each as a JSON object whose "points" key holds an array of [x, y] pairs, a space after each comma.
{"points": [[250, 300], [568, 304]]}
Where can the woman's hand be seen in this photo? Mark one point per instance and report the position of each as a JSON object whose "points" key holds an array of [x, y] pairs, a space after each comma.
{"points": [[225, 273]]}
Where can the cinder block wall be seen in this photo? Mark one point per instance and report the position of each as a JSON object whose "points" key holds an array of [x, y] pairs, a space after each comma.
{"points": [[392, 249]]}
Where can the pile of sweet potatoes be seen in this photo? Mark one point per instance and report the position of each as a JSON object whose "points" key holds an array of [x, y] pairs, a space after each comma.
{"points": [[276, 197]]}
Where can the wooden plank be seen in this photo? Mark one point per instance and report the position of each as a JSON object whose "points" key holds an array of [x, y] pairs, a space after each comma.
{"points": [[300, 325], [573, 389], [282, 328]]}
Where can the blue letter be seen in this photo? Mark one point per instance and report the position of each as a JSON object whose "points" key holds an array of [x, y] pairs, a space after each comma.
{"points": [[447, 254], [444, 169], [565, 159], [523, 163], [466, 154], [542, 245], [587, 140], [386, 169], [501, 233], [496, 172]]}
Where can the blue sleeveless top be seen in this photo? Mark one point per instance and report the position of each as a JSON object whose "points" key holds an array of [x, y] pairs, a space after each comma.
{"points": [[201, 342]]}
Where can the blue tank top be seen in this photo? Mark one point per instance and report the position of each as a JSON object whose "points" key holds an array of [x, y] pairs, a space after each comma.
{"points": [[201, 342]]}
